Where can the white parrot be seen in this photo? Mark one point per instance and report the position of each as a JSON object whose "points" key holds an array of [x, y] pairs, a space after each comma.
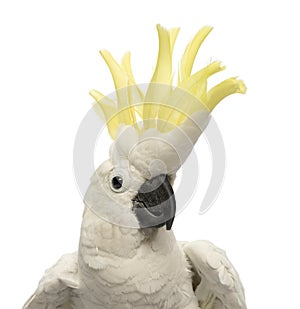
{"points": [[128, 256]]}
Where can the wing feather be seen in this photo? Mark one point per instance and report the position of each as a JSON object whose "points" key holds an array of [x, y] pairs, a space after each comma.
{"points": [[56, 288], [216, 282]]}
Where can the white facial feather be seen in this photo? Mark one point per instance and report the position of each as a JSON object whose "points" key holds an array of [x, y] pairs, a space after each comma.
{"points": [[111, 206]]}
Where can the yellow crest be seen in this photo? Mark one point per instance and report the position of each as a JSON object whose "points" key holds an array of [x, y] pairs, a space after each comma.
{"points": [[163, 105]]}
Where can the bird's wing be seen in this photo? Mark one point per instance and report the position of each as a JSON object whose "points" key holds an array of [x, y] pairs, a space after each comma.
{"points": [[217, 284], [57, 287]]}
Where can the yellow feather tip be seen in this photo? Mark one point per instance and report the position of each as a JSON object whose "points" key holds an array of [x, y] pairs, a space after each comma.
{"points": [[163, 106]]}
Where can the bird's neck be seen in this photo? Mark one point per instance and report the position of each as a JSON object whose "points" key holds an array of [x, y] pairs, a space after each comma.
{"points": [[103, 239]]}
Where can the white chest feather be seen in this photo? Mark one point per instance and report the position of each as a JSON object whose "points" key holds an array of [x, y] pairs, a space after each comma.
{"points": [[123, 268]]}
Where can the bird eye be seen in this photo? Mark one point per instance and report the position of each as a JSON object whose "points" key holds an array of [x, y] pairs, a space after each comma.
{"points": [[117, 183]]}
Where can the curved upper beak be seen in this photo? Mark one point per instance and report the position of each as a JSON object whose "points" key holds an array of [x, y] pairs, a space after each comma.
{"points": [[154, 204]]}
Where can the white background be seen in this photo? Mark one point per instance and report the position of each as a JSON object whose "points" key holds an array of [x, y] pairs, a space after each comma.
{"points": [[49, 61]]}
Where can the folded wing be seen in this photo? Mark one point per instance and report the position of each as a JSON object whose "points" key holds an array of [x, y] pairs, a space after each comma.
{"points": [[57, 289], [217, 284]]}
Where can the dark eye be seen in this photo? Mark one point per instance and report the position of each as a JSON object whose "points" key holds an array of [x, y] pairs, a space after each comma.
{"points": [[116, 183]]}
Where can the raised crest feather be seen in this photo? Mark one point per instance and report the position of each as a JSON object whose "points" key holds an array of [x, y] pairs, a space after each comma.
{"points": [[162, 102]]}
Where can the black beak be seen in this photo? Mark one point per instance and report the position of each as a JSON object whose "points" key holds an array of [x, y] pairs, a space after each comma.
{"points": [[155, 204]]}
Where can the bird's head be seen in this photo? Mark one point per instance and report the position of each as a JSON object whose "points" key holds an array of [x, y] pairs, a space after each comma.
{"points": [[154, 131]]}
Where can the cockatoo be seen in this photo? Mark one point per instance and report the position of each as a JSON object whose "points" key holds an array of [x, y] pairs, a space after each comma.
{"points": [[128, 256]]}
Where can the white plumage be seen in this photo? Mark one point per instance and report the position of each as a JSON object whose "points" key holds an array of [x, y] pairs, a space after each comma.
{"points": [[127, 258], [118, 266], [152, 276]]}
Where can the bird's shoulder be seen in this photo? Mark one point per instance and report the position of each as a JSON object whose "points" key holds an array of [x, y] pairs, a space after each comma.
{"points": [[56, 285], [214, 277]]}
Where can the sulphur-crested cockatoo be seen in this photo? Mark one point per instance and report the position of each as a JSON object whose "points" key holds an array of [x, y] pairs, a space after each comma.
{"points": [[128, 256]]}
